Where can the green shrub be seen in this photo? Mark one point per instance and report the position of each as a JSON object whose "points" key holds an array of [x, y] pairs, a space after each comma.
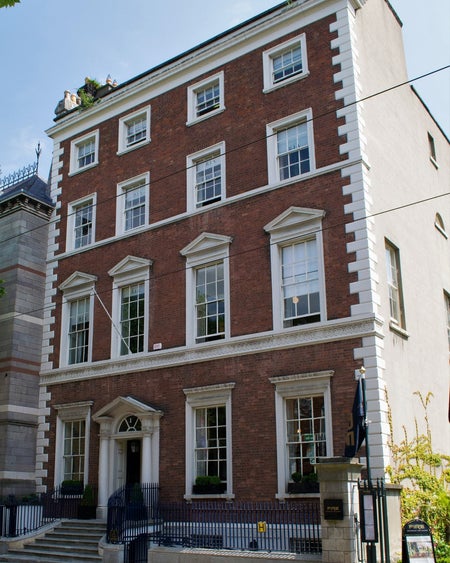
{"points": [[425, 477], [203, 480], [88, 496]]}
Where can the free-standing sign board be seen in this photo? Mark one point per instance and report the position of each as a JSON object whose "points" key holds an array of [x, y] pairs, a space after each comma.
{"points": [[369, 528], [417, 543]]}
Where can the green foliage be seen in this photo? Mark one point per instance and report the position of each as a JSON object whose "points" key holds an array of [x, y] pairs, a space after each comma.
{"points": [[88, 91], [298, 477], [8, 3], [425, 477], [32, 499], [88, 496], [2, 289], [207, 480], [310, 478], [71, 487], [87, 100], [136, 496]]}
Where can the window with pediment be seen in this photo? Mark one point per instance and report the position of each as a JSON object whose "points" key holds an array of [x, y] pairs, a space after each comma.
{"points": [[298, 290], [207, 288], [130, 306], [77, 319]]}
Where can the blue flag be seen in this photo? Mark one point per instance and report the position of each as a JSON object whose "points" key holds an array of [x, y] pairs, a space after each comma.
{"points": [[356, 432]]}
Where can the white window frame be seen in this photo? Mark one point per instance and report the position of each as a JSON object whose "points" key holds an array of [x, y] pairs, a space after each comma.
{"points": [[269, 56], [394, 284], [272, 130], [74, 167], [205, 250], [77, 286], [296, 224], [123, 146], [68, 413], [192, 115], [71, 216], [290, 387], [205, 397], [129, 271], [192, 160], [122, 188]]}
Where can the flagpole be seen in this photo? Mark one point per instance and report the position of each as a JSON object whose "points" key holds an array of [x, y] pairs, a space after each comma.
{"points": [[362, 377]]}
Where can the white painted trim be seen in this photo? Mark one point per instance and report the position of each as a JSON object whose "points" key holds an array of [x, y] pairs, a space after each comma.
{"points": [[296, 224], [215, 151], [300, 117], [206, 249], [270, 54], [298, 385], [338, 166], [77, 286], [207, 396], [130, 270], [122, 187], [74, 145], [296, 337], [192, 90], [122, 147], [67, 413], [209, 57], [71, 212]]}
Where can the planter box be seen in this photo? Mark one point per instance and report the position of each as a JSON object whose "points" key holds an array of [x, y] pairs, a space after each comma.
{"points": [[218, 489], [299, 488], [72, 489]]}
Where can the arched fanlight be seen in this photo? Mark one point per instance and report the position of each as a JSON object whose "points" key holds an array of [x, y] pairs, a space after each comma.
{"points": [[130, 423]]}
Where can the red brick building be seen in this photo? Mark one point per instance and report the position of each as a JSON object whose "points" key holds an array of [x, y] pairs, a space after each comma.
{"points": [[211, 276]]}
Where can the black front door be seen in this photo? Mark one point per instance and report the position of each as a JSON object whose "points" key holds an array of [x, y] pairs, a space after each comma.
{"points": [[133, 461]]}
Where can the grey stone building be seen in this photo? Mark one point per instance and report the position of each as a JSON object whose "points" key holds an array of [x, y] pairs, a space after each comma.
{"points": [[25, 209]]}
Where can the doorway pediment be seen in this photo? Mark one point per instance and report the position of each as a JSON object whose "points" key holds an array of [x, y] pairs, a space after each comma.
{"points": [[121, 406]]}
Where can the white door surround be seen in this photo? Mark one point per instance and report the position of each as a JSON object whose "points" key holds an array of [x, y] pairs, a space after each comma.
{"points": [[114, 434]]}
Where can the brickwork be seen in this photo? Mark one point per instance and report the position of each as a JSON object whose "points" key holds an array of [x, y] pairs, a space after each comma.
{"points": [[249, 253], [253, 409], [256, 350]]}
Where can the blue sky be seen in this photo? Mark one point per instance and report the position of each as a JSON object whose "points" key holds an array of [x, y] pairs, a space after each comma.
{"points": [[48, 46]]}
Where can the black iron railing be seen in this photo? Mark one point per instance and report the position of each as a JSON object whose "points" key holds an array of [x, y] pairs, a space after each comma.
{"points": [[22, 517], [374, 520], [137, 517], [131, 510], [18, 176], [270, 526], [17, 519]]}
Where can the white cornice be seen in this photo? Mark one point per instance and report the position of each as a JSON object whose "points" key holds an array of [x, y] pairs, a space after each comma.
{"points": [[203, 59], [331, 331]]}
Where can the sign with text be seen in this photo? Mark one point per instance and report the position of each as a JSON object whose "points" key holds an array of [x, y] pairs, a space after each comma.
{"points": [[417, 543], [333, 509]]}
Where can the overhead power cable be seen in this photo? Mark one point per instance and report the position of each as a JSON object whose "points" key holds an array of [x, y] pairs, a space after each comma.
{"points": [[154, 278], [229, 151], [337, 225]]}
